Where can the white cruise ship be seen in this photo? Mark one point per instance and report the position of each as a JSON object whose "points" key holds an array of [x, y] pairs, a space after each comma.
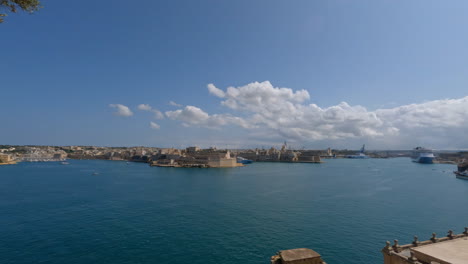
{"points": [[423, 155]]}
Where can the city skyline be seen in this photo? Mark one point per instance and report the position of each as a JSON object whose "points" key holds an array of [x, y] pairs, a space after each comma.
{"points": [[317, 74]]}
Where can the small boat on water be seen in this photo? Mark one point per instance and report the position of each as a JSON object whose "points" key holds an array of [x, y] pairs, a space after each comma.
{"points": [[243, 160], [423, 155], [64, 163]]}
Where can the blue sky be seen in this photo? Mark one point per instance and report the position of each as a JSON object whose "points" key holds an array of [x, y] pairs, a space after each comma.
{"points": [[62, 67]]}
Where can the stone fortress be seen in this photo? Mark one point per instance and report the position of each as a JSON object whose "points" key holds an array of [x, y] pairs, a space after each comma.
{"points": [[451, 249]]}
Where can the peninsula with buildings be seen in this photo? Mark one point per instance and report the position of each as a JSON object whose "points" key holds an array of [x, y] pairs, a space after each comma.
{"points": [[197, 157], [163, 157]]}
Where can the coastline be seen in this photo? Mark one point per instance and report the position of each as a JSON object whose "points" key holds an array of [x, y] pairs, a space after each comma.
{"points": [[9, 163]]}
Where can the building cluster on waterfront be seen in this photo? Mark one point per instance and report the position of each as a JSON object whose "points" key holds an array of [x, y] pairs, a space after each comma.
{"points": [[213, 157], [41, 154], [167, 157], [194, 157], [197, 157], [285, 154]]}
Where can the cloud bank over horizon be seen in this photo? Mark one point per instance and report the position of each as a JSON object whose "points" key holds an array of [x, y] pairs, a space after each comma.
{"points": [[275, 113]]}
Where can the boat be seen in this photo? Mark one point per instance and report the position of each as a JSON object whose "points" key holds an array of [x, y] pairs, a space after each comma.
{"points": [[64, 163], [462, 172], [423, 155], [243, 160], [461, 175], [359, 155]]}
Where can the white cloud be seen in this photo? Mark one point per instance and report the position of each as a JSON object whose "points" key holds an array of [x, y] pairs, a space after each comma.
{"points": [[122, 110], [194, 116], [155, 126], [190, 114], [158, 114], [263, 97], [284, 112], [215, 91], [174, 104], [445, 113], [274, 113], [144, 107]]}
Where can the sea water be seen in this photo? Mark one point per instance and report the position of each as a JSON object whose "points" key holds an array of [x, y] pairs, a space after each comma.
{"points": [[114, 212]]}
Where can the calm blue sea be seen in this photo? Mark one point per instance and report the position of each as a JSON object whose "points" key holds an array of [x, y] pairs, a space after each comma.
{"points": [[133, 213]]}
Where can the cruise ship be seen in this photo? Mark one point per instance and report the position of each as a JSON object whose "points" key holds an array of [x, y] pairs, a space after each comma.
{"points": [[243, 160], [359, 155], [423, 155]]}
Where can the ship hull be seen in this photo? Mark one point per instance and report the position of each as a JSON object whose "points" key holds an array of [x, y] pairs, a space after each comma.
{"points": [[424, 160], [422, 155], [461, 175], [357, 157], [243, 161]]}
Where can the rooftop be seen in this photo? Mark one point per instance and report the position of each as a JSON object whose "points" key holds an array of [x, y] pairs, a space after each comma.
{"points": [[451, 251], [298, 254]]}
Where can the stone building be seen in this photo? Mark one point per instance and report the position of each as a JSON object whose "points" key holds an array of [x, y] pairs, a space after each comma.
{"points": [[192, 149], [451, 249], [5, 158], [214, 158], [297, 256], [271, 154], [203, 158], [310, 156], [59, 156], [289, 156]]}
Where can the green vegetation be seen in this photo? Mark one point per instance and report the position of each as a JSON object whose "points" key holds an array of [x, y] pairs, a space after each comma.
{"points": [[14, 5]]}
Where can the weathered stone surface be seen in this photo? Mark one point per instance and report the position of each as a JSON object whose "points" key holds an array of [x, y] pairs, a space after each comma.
{"points": [[452, 251], [300, 255]]}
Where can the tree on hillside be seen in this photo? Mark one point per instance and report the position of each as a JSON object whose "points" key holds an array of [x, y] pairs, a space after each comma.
{"points": [[14, 5]]}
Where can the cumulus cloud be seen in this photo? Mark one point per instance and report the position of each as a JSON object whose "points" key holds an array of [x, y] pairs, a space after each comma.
{"points": [[215, 91], [158, 114], [445, 113], [269, 112], [174, 104], [285, 112], [260, 97], [155, 126], [146, 107], [121, 110], [194, 116]]}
